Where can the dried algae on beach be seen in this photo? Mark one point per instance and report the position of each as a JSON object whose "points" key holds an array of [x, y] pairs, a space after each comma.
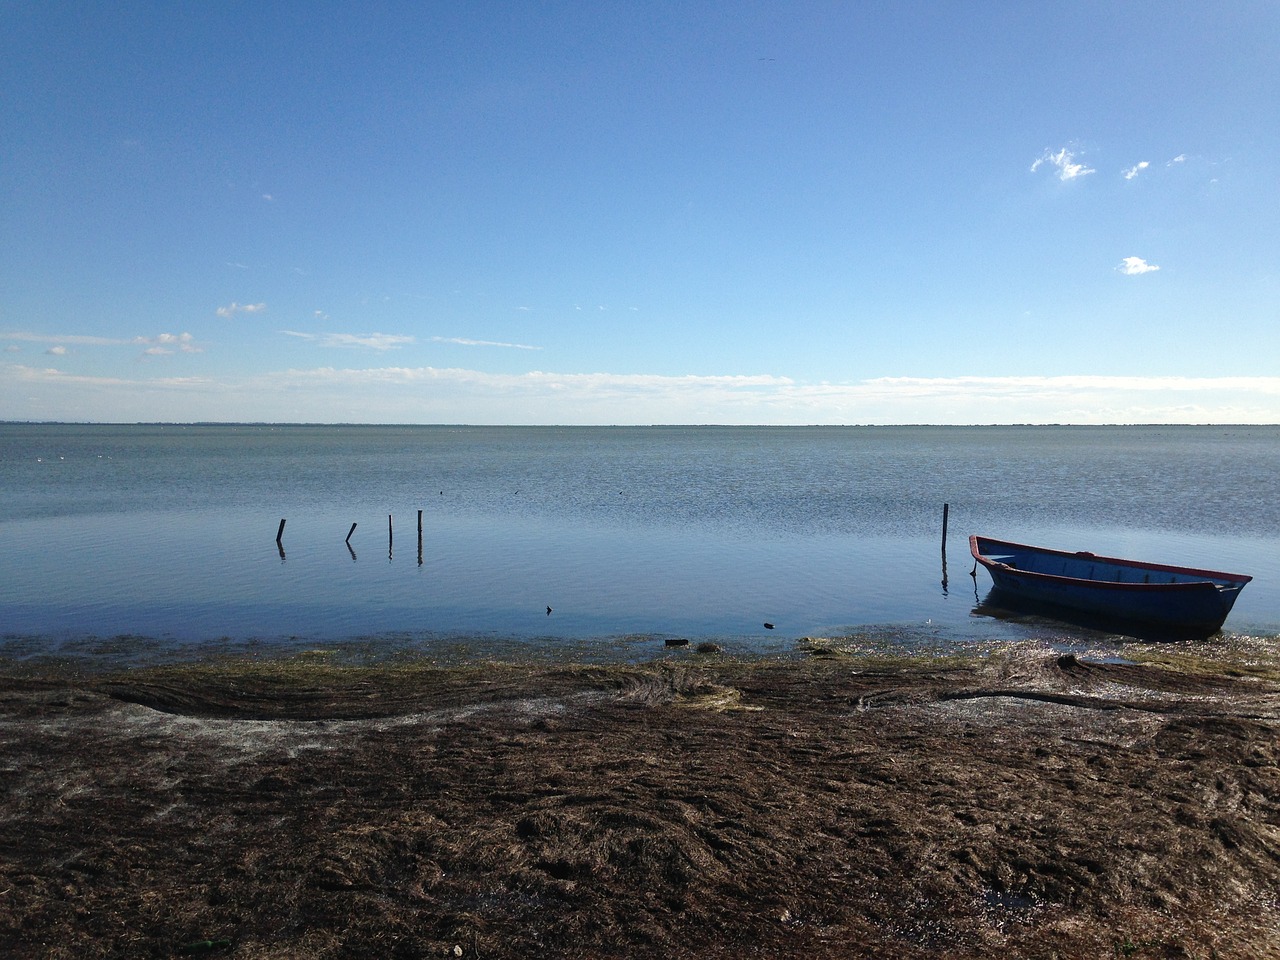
{"points": [[1021, 803]]}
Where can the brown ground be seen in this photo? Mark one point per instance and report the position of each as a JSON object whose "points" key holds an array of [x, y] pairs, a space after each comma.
{"points": [[1016, 805]]}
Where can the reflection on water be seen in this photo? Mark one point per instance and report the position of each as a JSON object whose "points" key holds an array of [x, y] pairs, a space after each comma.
{"points": [[203, 574], [680, 532], [1016, 609]]}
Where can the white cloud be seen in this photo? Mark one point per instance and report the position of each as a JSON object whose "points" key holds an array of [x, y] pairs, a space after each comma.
{"points": [[232, 309], [162, 343], [436, 395], [1180, 158], [373, 341], [1133, 266], [167, 343], [79, 340], [53, 375], [1136, 169], [465, 342], [1065, 162]]}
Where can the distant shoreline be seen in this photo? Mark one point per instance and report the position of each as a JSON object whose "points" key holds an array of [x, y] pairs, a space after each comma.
{"points": [[650, 426]]}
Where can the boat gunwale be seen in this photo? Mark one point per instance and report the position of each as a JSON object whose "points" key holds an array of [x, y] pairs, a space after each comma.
{"points": [[1213, 579]]}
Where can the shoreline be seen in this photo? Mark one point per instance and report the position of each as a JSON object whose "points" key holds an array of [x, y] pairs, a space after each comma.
{"points": [[82, 655], [1020, 802]]}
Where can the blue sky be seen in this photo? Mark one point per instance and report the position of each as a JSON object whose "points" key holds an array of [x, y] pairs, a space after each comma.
{"points": [[640, 212]]}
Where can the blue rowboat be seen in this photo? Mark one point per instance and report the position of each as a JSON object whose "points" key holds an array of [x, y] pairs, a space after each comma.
{"points": [[1177, 600]]}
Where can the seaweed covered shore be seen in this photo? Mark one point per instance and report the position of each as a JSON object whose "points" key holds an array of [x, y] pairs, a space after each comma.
{"points": [[1022, 803]]}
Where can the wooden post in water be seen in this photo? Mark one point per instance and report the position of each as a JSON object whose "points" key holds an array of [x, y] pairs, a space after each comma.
{"points": [[419, 538], [946, 510], [389, 536], [349, 533], [280, 532]]}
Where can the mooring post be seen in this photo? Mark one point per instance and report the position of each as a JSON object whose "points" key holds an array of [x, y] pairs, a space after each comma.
{"points": [[419, 538], [946, 509], [389, 536], [280, 532], [349, 533]]}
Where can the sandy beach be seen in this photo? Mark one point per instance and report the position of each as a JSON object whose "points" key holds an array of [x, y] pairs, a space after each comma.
{"points": [[1021, 803]]}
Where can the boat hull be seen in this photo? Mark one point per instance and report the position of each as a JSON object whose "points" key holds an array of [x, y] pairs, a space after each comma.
{"points": [[1180, 601]]}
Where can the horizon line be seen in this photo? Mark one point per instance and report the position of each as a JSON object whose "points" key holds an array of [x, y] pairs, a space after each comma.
{"points": [[588, 426]]}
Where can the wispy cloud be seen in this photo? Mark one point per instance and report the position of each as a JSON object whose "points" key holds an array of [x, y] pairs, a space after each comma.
{"points": [[545, 379], [52, 375], [1136, 169], [233, 308], [371, 341], [1133, 266], [397, 395], [167, 343], [164, 343], [75, 339], [465, 342], [1064, 161]]}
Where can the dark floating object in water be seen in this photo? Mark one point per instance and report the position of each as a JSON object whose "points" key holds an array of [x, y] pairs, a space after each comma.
{"points": [[768, 626], [1183, 601], [548, 611], [676, 641]]}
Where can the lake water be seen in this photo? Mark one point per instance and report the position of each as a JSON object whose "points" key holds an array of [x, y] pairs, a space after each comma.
{"points": [[628, 534]]}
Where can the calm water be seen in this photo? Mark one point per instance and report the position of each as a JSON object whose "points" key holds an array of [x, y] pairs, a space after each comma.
{"points": [[702, 532]]}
